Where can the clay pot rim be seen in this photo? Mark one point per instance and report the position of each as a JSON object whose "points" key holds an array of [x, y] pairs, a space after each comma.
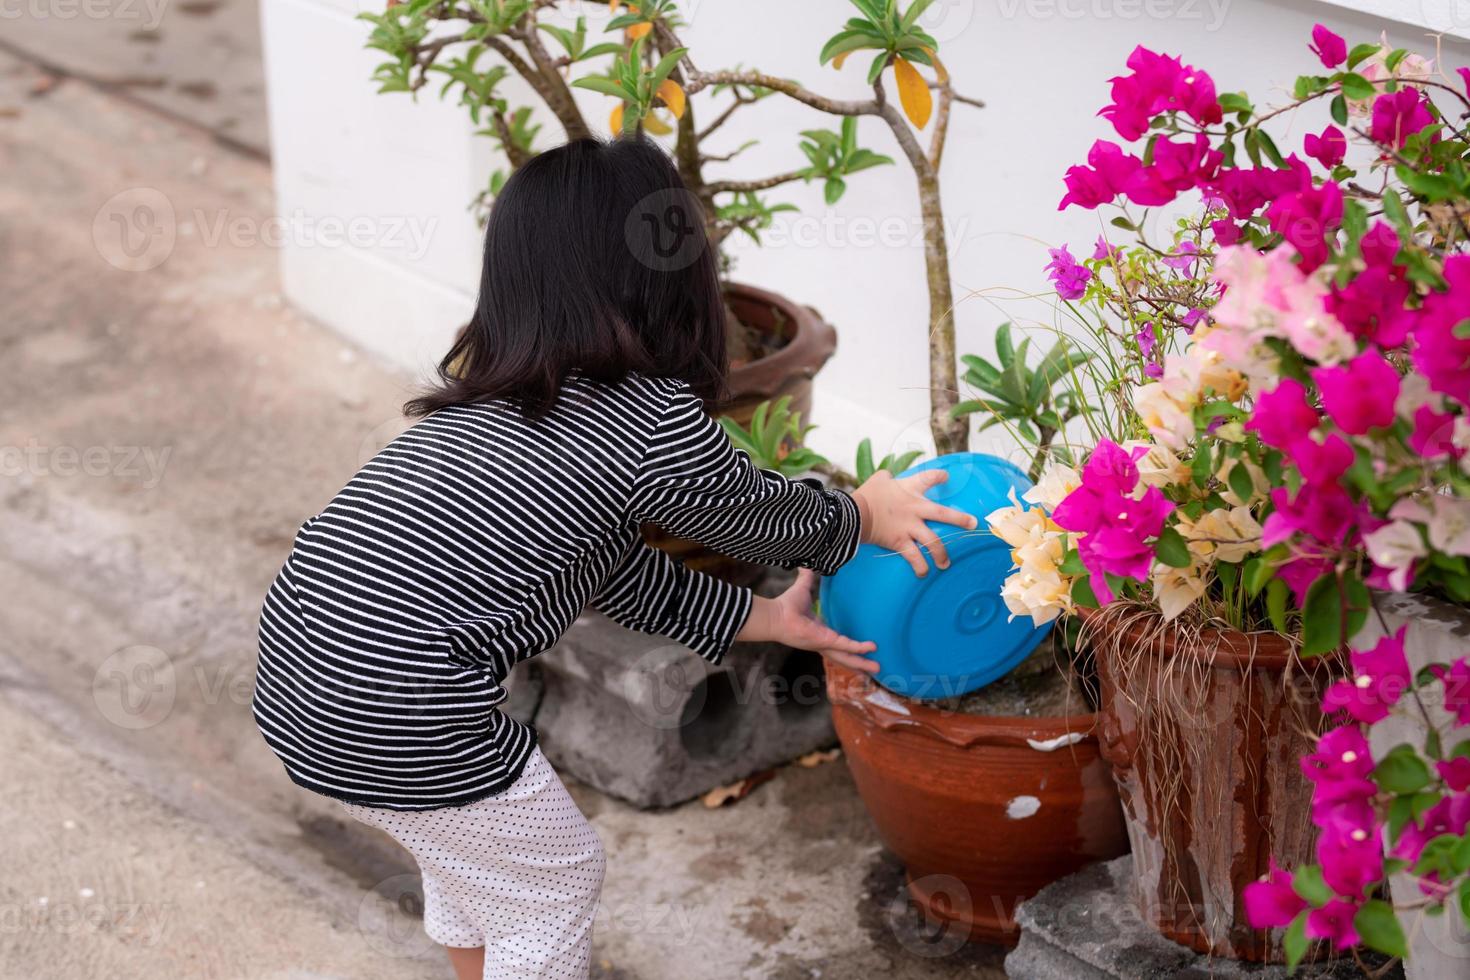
{"points": [[845, 688], [812, 337], [1230, 647]]}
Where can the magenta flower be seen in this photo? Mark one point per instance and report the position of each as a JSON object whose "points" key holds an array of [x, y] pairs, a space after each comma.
{"points": [[1323, 513], [1158, 84], [1456, 681], [1342, 753], [1322, 463], [1464, 74], [1184, 257], [1450, 815], [1351, 863], [1371, 306], [1301, 572], [1307, 219], [1334, 921], [1103, 251], [1114, 526], [1108, 171], [1399, 115], [1245, 190], [1226, 232], [1360, 394], [1381, 676], [1433, 436], [1439, 355], [1330, 47], [1282, 416], [1455, 773], [1327, 148], [1176, 168], [1069, 277], [1272, 903]]}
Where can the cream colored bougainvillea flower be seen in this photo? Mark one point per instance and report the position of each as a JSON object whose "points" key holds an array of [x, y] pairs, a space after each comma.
{"points": [[1222, 535], [1176, 589]]}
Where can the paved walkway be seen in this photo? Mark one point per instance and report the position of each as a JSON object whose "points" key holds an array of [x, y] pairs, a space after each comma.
{"points": [[167, 422]]}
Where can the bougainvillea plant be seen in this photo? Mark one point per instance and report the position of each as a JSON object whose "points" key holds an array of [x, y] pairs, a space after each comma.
{"points": [[1293, 432]]}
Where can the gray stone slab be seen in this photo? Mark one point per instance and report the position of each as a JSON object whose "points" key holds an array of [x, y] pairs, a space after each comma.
{"points": [[1085, 927], [646, 720]]}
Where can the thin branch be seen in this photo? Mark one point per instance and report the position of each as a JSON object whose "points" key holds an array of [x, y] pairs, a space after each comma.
{"points": [[764, 184], [725, 115], [699, 81]]}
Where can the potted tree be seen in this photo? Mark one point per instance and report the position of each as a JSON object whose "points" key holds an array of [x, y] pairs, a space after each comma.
{"points": [[1294, 369]]}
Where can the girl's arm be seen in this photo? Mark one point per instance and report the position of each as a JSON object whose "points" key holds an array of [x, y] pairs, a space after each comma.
{"points": [[692, 482], [652, 593]]}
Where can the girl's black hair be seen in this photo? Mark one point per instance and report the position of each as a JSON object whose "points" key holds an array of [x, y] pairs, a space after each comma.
{"points": [[596, 262]]}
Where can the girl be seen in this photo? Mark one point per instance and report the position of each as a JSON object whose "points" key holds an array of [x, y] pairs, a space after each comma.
{"points": [[572, 410]]}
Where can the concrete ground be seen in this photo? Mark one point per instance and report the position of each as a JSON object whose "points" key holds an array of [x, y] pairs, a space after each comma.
{"points": [[167, 422]]}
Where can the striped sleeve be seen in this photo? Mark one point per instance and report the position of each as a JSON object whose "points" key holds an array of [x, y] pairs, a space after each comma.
{"points": [[653, 593], [693, 483]]}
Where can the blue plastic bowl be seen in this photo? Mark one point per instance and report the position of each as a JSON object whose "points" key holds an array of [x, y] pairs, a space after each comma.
{"points": [[948, 633]]}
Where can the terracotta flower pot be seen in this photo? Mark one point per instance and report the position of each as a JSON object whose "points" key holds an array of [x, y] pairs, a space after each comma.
{"points": [[1204, 739], [789, 370], [982, 811]]}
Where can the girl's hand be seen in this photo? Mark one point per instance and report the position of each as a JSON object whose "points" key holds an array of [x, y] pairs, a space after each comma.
{"points": [[788, 619], [894, 512]]}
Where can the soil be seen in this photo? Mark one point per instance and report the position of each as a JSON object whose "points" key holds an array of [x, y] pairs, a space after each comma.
{"points": [[1044, 685], [751, 343]]}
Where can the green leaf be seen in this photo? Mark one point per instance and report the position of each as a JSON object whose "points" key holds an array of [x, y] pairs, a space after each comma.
{"points": [[1322, 617], [1171, 549], [1004, 351], [1082, 594], [833, 190], [606, 86], [1339, 110], [1379, 928], [1268, 147], [864, 461], [1463, 896], [1296, 942], [1276, 594], [1240, 481], [1356, 87], [1361, 51], [1257, 573], [1308, 883], [1072, 564], [1402, 771]]}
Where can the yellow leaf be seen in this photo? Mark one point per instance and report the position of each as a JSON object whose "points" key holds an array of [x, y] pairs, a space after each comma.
{"points": [[837, 61], [656, 126], [673, 96], [615, 121], [639, 30], [913, 93]]}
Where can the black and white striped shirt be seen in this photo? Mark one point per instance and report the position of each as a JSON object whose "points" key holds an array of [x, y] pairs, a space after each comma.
{"points": [[470, 543]]}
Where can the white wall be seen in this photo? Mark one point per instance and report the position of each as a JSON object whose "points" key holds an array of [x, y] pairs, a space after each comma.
{"points": [[1041, 65]]}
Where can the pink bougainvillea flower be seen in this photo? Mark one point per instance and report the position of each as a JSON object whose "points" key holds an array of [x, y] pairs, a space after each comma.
{"points": [[1158, 83], [1226, 232], [1433, 436], [1455, 773], [1282, 416], [1450, 815], [1108, 171], [1371, 305], [1327, 147], [1300, 573], [1381, 676], [1334, 921], [1352, 862], [1245, 190], [1183, 257], [1395, 549], [1177, 167], [1360, 394], [1324, 462], [1399, 115], [1464, 74], [1342, 753], [1325, 514], [1456, 681], [1070, 277], [1307, 219], [1192, 319], [1272, 903], [1103, 250], [1330, 47], [1115, 527], [1439, 355]]}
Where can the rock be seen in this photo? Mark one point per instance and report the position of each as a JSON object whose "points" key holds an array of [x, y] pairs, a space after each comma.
{"points": [[1086, 927]]}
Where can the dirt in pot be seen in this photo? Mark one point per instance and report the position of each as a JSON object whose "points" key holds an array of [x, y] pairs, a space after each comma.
{"points": [[755, 332], [1044, 685]]}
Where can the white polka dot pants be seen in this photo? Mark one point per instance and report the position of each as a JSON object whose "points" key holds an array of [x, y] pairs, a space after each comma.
{"points": [[518, 873]]}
